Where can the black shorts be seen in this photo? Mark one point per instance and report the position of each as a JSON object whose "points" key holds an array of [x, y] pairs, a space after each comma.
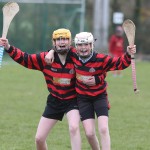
{"points": [[56, 108], [89, 105]]}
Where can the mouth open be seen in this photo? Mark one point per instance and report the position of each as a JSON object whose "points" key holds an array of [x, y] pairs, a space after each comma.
{"points": [[62, 46], [84, 51]]}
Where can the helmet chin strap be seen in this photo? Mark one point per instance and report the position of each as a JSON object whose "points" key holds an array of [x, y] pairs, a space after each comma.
{"points": [[61, 51]]}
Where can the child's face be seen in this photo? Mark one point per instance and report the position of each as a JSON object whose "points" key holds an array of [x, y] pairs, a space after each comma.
{"points": [[84, 50], [62, 45]]}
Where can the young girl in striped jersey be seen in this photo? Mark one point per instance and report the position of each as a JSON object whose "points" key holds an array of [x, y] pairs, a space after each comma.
{"points": [[92, 99], [60, 79]]}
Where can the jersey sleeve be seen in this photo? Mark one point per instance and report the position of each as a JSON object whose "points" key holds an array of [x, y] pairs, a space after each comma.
{"points": [[73, 55], [31, 61], [116, 63], [99, 79], [73, 51]]}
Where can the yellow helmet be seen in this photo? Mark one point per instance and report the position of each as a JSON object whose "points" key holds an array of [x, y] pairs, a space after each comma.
{"points": [[61, 33]]}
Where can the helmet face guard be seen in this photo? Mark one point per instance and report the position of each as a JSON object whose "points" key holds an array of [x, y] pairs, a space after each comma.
{"points": [[61, 51], [61, 34], [84, 38]]}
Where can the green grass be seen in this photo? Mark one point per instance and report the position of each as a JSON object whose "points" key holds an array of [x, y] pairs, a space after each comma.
{"points": [[23, 96]]}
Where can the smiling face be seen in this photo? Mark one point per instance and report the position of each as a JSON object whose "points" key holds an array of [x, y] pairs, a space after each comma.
{"points": [[84, 42], [84, 50]]}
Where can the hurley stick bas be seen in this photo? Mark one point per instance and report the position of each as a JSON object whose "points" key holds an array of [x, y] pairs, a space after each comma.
{"points": [[9, 11], [129, 29]]}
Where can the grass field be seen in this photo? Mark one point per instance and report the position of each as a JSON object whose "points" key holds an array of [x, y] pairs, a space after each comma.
{"points": [[23, 96]]}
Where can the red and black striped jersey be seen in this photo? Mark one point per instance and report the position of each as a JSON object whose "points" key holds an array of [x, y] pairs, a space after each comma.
{"points": [[60, 78], [98, 66]]}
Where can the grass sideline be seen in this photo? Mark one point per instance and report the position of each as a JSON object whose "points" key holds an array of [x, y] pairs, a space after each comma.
{"points": [[23, 97]]}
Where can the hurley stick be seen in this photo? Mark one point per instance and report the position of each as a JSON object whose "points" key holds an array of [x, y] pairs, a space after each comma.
{"points": [[129, 29], [9, 11]]}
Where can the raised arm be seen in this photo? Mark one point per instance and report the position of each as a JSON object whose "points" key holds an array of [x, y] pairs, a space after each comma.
{"points": [[119, 63], [31, 61]]}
